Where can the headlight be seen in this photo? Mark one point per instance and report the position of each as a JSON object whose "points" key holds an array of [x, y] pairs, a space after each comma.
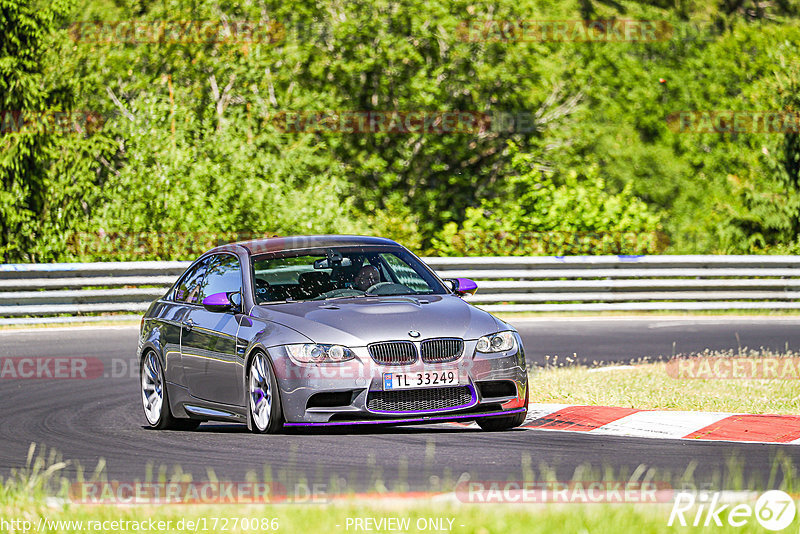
{"points": [[314, 353], [499, 342]]}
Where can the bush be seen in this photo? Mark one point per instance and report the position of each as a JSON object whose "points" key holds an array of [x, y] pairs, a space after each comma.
{"points": [[539, 217]]}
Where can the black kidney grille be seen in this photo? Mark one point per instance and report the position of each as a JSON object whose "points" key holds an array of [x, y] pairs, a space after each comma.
{"points": [[442, 350], [393, 352], [419, 400]]}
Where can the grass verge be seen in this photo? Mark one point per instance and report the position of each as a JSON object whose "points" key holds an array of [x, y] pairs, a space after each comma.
{"points": [[507, 316], [466, 519], [651, 386], [72, 324], [510, 316], [37, 498]]}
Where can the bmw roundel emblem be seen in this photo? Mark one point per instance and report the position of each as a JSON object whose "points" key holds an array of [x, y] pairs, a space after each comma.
{"points": [[413, 333]]}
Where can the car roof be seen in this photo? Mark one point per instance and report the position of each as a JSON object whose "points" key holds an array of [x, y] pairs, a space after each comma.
{"points": [[300, 242]]}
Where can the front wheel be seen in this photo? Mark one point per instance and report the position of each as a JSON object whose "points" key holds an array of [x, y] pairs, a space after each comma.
{"points": [[155, 399], [265, 402]]}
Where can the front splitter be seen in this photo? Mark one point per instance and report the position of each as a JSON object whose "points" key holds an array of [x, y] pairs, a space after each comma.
{"points": [[414, 420]]}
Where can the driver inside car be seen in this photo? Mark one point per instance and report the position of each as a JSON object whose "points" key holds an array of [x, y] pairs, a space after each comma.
{"points": [[367, 277]]}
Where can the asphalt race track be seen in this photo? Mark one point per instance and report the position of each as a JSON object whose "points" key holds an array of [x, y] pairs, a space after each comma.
{"points": [[102, 418], [626, 339]]}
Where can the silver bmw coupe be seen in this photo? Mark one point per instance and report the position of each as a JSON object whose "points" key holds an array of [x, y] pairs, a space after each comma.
{"points": [[325, 330]]}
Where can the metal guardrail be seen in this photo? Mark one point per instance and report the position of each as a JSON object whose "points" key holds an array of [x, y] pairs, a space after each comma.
{"points": [[569, 283], [76, 289], [629, 283]]}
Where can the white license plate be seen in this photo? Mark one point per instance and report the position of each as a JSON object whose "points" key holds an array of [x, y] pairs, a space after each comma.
{"points": [[423, 379]]}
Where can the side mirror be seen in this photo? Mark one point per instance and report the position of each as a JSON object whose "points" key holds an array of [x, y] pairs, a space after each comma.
{"points": [[218, 303], [462, 286]]}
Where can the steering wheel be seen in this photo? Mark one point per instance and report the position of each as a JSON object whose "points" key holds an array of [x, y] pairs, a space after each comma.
{"points": [[371, 289], [262, 290], [388, 288]]}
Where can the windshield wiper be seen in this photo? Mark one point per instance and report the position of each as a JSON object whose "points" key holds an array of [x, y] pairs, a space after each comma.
{"points": [[349, 297], [287, 301]]}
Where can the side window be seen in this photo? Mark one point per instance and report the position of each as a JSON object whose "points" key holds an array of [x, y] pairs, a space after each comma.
{"points": [[223, 275], [189, 287], [405, 274]]}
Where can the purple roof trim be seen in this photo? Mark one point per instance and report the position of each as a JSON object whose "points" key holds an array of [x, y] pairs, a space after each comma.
{"points": [[300, 242], [438, 419]]}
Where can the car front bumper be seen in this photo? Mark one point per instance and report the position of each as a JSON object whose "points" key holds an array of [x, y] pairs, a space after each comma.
{"points": [[493, 384]]}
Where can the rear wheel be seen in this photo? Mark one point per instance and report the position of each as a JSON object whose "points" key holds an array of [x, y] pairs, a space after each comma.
{"points": [[266, 416], [155, 399], [495, 424]]}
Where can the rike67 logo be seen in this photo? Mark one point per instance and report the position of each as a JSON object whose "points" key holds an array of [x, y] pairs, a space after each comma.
{"points": [[774, 510]]}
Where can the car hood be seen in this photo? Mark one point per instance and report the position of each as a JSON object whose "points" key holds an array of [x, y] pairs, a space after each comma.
{"points": [[359, 321]]}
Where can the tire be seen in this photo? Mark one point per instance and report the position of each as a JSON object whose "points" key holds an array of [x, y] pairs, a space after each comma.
{"points": [[155, 398], [496, 424], [264, 400]]}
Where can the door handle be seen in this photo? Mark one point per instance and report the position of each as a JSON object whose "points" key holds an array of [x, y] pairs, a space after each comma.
{"points": [[188, 324]]}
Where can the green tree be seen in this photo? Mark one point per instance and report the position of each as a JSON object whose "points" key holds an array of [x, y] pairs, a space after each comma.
{"points": [[29, 86], [539, 217], [191, 143]]}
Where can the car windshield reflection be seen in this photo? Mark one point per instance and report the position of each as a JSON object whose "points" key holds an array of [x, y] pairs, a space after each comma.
{"points": [[341, 273]]}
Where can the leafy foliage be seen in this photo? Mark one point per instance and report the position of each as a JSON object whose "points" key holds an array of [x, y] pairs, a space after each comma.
{"points": [[577, 217], [190, 145], [38, 195]]}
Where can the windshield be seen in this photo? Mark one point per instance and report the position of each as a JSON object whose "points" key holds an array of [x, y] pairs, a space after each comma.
{"points": [[341, 272]]}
